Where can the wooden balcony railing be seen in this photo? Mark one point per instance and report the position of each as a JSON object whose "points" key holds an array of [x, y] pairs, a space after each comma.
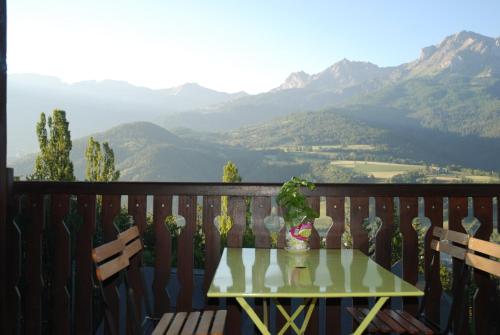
{"points": [[50, 282]]}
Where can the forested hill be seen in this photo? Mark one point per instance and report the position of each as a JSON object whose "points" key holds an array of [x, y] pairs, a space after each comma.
{"points": [[449, 103], [147, 152], [391, 141]]}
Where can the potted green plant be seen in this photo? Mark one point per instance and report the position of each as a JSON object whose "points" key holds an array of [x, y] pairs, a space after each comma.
{"points": [[299, 216]]}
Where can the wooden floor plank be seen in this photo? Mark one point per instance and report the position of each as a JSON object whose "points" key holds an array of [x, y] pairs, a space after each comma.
{"points": [[377, 321], [403, 322], [191, 323], [416, 322], [219, 323], [358, 317], [205, 323], [162, 326], [176, 326], [395, 327]]}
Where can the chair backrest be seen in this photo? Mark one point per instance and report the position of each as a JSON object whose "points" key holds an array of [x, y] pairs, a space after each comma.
{"points": [[131, 239], [109, 259], [480, 253], [454, 244], [450, 242]]}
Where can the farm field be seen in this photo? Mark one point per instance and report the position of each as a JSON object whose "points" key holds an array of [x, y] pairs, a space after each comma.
{"points": [[380, 170], [383, 171]]}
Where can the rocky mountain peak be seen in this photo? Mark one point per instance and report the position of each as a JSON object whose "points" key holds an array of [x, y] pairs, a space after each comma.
{"points": [[187, 88], [295, 80], [465, 52], [346, 66], [342, 74]]}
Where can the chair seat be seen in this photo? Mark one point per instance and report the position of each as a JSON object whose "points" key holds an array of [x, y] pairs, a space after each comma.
{"points": [[391, 321], [193, 323]]}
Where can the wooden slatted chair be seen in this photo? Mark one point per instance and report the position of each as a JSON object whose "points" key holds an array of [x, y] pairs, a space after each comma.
{"points": [[109, 261], [483, 255], [400, 322], [196, 322]]}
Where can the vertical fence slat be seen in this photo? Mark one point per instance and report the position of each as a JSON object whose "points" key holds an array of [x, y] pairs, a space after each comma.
{"points": [[237, 210], [315, 243], [359, 212], [285, 302], [162, 208], [211, 209], [13, 294], [314, 239], [137, 207], [185, 253], [60, 318], [335, 208], [457, 211], [433, 211], [110, 210], [409, 211], [384, 208], [483, 309], [281, 234], [13, 263], [34, 283], [83, 265], [261, 207]]}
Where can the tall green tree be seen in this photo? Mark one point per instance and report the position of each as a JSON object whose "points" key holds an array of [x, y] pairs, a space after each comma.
{"points": [[230, 175], [100, 162], [54, 138]]}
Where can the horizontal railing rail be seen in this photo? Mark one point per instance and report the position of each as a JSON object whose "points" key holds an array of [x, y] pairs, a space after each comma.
{"points": [[55, 225], [256, 189]]}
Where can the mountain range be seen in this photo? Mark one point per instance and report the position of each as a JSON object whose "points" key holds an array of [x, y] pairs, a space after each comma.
{"points": [[93, 106], [457, 78], [443, 107]]}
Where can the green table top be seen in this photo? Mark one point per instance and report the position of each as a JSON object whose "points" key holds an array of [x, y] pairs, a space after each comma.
{"points": [[322, 273]]}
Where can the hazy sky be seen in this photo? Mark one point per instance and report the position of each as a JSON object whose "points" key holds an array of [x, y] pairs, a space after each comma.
{"points": [[227, 45]]}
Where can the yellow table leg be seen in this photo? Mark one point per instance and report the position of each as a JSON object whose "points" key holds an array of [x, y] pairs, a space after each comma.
{"points": [[265, 311], [310, 310], [369, 317], [290, 319], [253, 316]]}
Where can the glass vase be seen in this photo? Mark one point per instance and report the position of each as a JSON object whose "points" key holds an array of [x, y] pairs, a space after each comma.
{"points": [[297, 236]]}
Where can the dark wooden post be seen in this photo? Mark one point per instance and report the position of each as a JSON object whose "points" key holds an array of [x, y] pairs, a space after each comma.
{"points": [[3, 150], [335, 208], [409, 211]]}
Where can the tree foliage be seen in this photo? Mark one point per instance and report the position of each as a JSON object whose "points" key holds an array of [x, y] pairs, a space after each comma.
{"points": [[230, 175], [100, 164], [54, 138], [294, 202]]}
